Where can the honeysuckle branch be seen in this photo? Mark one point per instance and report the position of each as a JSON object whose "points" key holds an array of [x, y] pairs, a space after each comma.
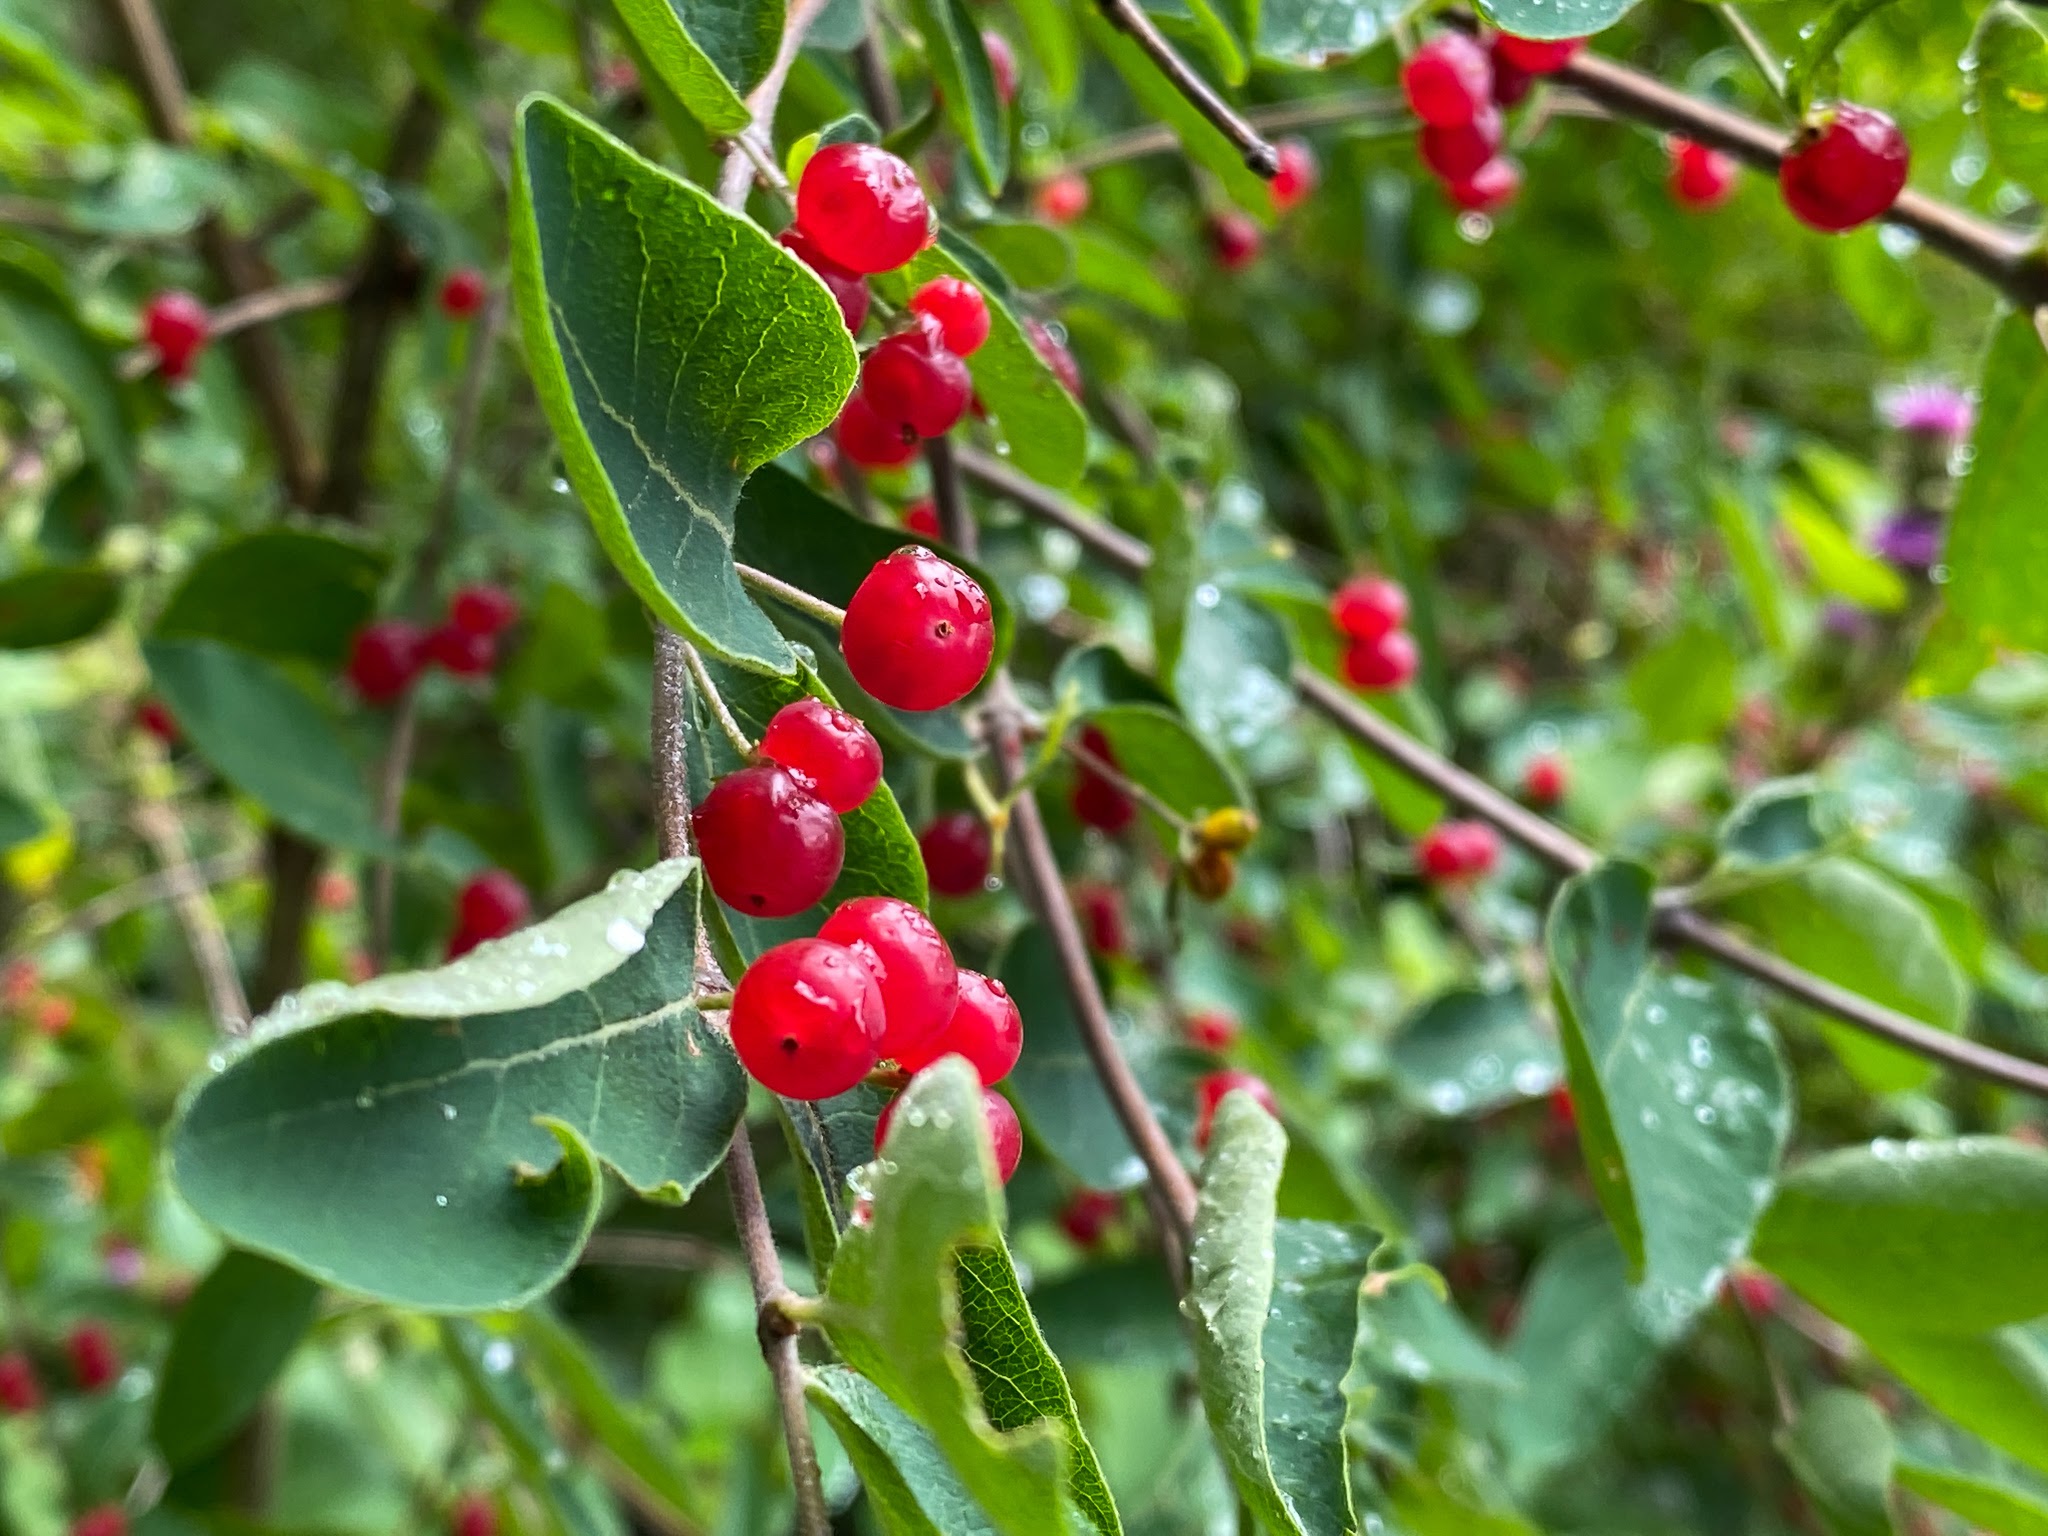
{"points": [[791, 596], [143, 891], [1128, 18], [1158, 139], [238, 315], [1676, 922], [193, 904]]}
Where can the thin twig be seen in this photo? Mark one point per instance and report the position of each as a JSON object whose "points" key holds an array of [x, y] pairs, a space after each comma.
{"points": [[1102, 768], [1158, 139], [190, 899], [238, 315], [1128, 18], [871, 65], [715, 702], [795, 597], [144, 891], [654, 1250], [1767, 63]]}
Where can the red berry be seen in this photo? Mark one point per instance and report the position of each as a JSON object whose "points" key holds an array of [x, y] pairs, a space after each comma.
{"points": [[335, 891], [95, 1362], [483, 609], [490, 906], [1101, 911], [1210, 1029], [1543, 781], [474, 1515], [863, 208], [770, 847], [1209, 1094], [1369, 607], [1235, 240], [107, 1520], [1457, 153], [385, 658], [985, 1029], [1097, 800], [462, 293], [1456, 851], [956, 848], [959, 309], [826, 747], [1296, 179], [155, 717], [1087, 1215], [1536, 55], [912, 966], [922, 518], [1006, 1136], [1002, 63], [1755, 1292], [1062, 199], [912, 378], [461, 653], [849, 289], [1378, 665], [919, 631], [868, 440], [1846, 168], [1511, 82], [55, 1013], [1053, 352], [1447, 80], [19, 982], [1492, 186], [807, 1019], [1700, 177], [177, 326], [20, 1391], [1564, 1114]]}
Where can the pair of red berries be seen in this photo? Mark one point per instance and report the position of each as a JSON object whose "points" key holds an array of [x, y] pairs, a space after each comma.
{"points": [[489, 906], [94, 1358], [1097, 799], [1235, 238], [914, 383], [1457, 86], [1457, 852], [1379, 653], [388, 656]]}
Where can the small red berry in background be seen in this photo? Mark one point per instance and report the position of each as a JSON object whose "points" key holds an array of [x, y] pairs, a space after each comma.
{"points": [[1053, 352], [1563, 1113], [490, 906], [335, 891], [1234, 240], [1210, 1029], [769, 847], [921, 517], [619, 77], [912, 379], [155, 717], [1847, 167], [1063, 199], [1701, 178], [911, 964], [462, 293], [1456, 154], [1454, 852], [1447, 80], [20, 1391], [19, 982], [55, 1014], [1545, 780], [863, 208], [869, 440], [1097, 799], [385, 659], [1296, 180], [1211, 1090], [807, 1019], [1537, 55], [1754, 1291], [919, 632], [849, 289], [95, 1362], [1101, 910], [1511, 82], [474, 1515], [1369, 607], [1088, 1215], [958, 308], [1379, 665], [1490, 188], [460, 652], [986, 1030], [1002, 63], [957, 848], [483, 609], [828, 748], [176, 325], [107, 1520]]}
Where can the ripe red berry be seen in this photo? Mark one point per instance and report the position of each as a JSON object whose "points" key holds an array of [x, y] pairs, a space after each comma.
{"points": [[19, 982], [1063, 199], [770, 847], [1296, 180], [1002, 63], [1447, 80], [1491, 187], [385, 658], [1006, 1136], [95, 1362], [1234, 239], [335, 891], [1456, 154], [1210, 1029], [1369, 607], [919, 631], [922, 517], [956, 848], [1536, 55], [474, 1515], [1564, 1114], [1511, 82], [1053, 352], [870, 441], [1378, 665], [55, 1013], [1452, 852], [1210, 1092], [462, 293], [490, 906], [863, 208], [1097, 800], [20, 1391], [828, 748], [849, 289], [1087, 1215], [107, 1520], [1101, 910], [1544, 780], [807, 1019], [913, 378], [1755, 1292], [912, 965], [1846, 168], [483, 609], [958, 308], [1701, 178], [985, 1029], [461, 653], [176, 325], [155, 717]]}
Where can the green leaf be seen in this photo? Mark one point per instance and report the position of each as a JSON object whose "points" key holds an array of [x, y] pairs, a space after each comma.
{"points": [[232, 1337], [676, 349], [1275, 1308], [1993, 1384], [910, 1489], [1232, 677], [55, 605], [1840, 1449], [1309, 34], [1683, 1102], [1839, 568], [1762, 586], [283, 592], [967, 86], [1555, 18], [2011, 93], [1997, 539], [20, 821], [573, 1497], [1778, 825], [419, 1106], [1684, 689], [923, 1302], [1157, 751], [269, 738], [1471, 1051], [830, 1139], [1032, 255], [1108, 267], [41, 333], [710, 53], [1984, 1500], [1054, 44]]}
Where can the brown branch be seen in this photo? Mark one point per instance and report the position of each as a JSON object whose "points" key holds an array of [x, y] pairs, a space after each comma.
{"points": [[238, 315], [190, 900], [391, 777], [1128, 18], [145, 891], [1158, 139]]}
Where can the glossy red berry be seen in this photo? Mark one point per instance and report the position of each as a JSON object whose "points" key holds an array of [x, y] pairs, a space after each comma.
{"points": [[1210, 1029], [1097, 800], [1453, 852], [385, 659], [985, 1029], [1846, 168], [807, 1019], [1002, 63], [483, 609], [1447, 80], [1537, 55], [863, 208], [849, 289], [957, 849], [107, 1520], [1456, 154], [1063, 199], [912, 378], [868, 440], [1234, 240], [1101, 911], [176, 326], [462, 293], [1545, 779], [155, 717], [1088, 1215], [1295, 182], [959, 310], [1211, 1090], [1385, 663], [1006, 1136], [921, 517], [460, 652], [770, 848], [919, 631], [1490, 188], [490, 906], [1511, 82], [1055, 355], [827, 747], [1369, 607], [95, 1361], [911, 963], [20, 1390], [1701, 178], [474, 1515]]}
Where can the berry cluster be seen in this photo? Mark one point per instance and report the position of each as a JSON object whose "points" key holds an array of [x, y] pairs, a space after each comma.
{"points": [[490, 906], [1458, 86], [89, 1351], [23, 996], [388, 656], [1456, 853], [176, 326], [1370, 612]]}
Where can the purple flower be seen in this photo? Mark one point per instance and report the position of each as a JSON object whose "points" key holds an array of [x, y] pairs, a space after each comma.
{"points": [[1930, 410], [1910, 540]]}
